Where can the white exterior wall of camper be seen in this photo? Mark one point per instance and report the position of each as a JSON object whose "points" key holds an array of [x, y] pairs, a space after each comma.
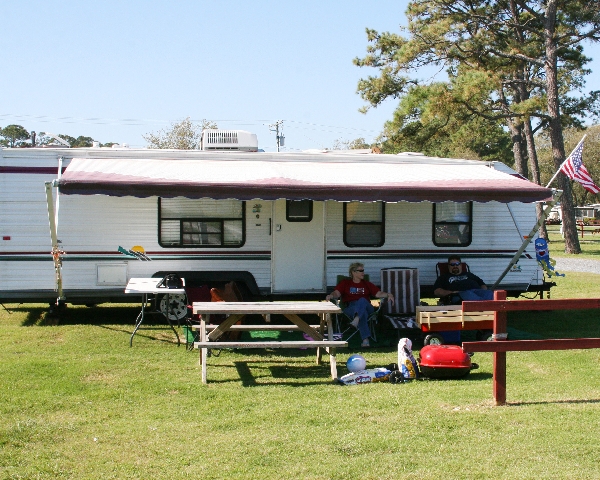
{"points": [[283, 257], [408, 233]]}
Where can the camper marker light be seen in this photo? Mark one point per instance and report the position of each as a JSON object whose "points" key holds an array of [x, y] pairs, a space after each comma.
{"points": [[6, 237]]}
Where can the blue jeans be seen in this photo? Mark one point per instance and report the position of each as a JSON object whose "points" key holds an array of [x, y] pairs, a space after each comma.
{"points": [[363, 307], [477, 294]]}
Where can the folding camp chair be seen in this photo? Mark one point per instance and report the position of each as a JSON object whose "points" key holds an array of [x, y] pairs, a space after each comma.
{"points": [[452, 336], [343, 319], [229, 293], [204, 293], [447, 336]]}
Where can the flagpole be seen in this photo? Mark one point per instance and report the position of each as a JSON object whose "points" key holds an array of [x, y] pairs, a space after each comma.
{"points": [[561, 165]]}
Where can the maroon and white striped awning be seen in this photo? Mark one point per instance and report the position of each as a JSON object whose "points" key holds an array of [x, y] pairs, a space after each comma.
{"points": [[366, 178]]}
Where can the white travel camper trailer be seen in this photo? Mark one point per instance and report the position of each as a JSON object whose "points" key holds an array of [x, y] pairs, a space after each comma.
{"points": [[276, 223]]}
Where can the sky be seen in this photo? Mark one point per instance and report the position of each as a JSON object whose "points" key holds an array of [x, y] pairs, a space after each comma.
{"points": [[116, 70]]}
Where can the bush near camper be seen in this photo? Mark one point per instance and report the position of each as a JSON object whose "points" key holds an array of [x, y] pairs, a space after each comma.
{"points": [[17, 136]]}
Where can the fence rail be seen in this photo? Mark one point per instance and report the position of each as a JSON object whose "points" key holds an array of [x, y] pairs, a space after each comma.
{"points": [[499, 345]]}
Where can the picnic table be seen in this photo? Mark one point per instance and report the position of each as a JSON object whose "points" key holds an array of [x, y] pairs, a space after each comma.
{"points": [[591, 223], [291, 310]]}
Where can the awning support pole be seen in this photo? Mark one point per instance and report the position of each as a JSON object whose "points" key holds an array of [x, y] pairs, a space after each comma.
{"points": [[56, 252], [512, 215], [527, 240]]}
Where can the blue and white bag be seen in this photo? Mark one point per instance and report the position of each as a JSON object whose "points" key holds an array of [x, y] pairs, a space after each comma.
{"points": [[407, 365]]}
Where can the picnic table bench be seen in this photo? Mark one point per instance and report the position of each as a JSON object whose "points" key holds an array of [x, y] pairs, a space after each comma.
{"points": [[210, 334], [268, 343]]}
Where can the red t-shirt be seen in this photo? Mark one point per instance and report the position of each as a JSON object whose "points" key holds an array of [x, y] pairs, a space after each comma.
{"points": [[353, 291]]}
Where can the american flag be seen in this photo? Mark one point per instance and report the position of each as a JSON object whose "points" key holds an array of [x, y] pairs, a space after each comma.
{"points": [[574, 168]]}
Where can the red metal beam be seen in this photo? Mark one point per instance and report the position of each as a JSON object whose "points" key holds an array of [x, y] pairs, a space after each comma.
{"points": [[520, 305], [500, 328], [532, 345], [499, 346]]}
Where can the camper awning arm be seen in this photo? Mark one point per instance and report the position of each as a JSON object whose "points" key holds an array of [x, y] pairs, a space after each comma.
{"points": [[555, 197], [56, 252]]}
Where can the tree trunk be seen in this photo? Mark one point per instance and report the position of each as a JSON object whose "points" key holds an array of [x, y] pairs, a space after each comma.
{"points": [[516, 137], [534, 168], [556, 135], [516, 131]]}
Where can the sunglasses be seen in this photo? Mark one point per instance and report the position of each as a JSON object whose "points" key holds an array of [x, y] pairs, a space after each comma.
{"points": [[360, 270], [454, 264]]}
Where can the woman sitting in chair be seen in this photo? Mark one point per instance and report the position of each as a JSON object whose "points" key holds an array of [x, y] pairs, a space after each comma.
{"points": [[356, 292]]}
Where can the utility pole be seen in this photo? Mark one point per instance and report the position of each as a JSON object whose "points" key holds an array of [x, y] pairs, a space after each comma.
{"points": [[275, 127]]}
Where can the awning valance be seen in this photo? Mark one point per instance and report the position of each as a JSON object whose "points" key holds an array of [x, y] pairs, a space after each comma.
{"points": [[246, 178]]}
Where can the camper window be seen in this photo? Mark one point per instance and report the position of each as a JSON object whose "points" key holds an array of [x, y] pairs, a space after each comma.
{"points": [[452, 224], [299, 210], [364, 224], [185, 222]]}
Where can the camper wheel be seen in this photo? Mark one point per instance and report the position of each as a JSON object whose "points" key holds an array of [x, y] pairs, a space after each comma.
{"points": [[177, 306], [433, 339]]}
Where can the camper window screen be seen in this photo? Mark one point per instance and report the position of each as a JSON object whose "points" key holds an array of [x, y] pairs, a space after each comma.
{"points": [[452, 224], [364, 224], [186, 222]]}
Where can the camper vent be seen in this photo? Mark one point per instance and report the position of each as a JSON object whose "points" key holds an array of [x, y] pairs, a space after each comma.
{"points": [[221, 137], [214, 139]]}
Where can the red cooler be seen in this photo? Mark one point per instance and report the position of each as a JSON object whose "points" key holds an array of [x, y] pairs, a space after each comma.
{"points": [[444, 361]]}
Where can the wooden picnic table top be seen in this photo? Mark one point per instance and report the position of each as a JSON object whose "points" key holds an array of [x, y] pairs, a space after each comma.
{"points": [[279, 307]]}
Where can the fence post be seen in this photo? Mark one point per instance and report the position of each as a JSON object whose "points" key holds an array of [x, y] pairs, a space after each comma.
{"points": [[499, 381]]}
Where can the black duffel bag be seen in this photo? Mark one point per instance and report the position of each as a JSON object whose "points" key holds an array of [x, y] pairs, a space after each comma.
{"points": [[171, 280]]}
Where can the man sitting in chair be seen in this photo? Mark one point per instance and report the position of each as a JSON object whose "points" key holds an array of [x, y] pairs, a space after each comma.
{"points": [[356, 292], [457, 285]]}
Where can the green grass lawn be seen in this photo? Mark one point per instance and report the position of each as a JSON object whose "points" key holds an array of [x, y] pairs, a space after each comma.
{"points": [[77, 402]]}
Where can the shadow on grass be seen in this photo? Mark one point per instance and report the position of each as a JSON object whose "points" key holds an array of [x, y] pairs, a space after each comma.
{"points": [[473, 376], [107, 315], [81, 315], [556, 402], [169, 339], [251, 371], [35, 316], [476, 376], [309, 352]]}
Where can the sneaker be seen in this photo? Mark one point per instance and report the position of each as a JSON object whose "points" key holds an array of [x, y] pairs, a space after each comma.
{"points": [[354, 322], [365, 343]]}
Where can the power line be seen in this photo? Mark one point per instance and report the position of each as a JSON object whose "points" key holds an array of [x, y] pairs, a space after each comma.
{"points": [[330, 126], [140, 122]]}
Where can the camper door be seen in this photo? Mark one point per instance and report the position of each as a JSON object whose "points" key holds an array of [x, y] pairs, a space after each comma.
{"points": [[298, 246]]}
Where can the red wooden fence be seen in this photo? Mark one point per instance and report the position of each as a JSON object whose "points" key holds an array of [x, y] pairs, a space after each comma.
{"points": [[499, 345]]}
